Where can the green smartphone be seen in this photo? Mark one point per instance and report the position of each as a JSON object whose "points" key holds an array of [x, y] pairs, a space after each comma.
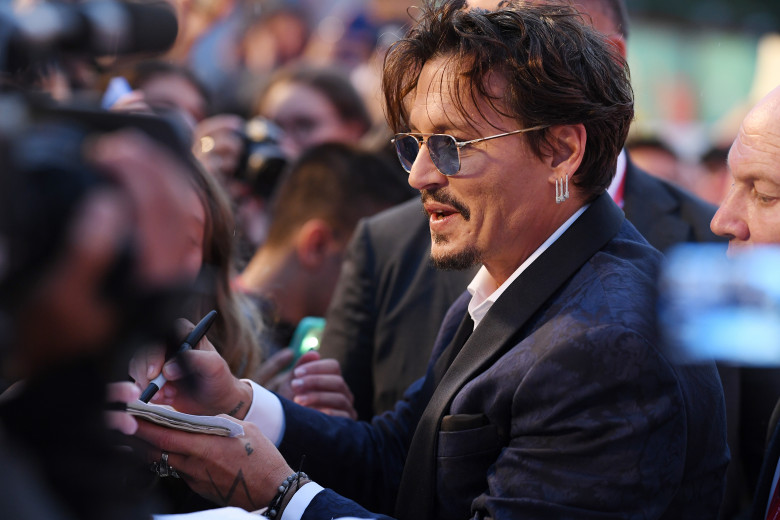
{"points": [[306, 336]]}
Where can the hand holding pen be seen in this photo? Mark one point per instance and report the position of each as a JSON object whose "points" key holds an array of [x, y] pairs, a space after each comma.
{"points": [[189, 343]]}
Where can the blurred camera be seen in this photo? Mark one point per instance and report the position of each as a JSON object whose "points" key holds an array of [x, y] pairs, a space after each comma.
{"points": [[262, 161], [723, 308]]}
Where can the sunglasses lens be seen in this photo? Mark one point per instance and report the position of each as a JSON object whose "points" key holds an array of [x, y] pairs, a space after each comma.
{"points": [[444, 153], [407, 148]]}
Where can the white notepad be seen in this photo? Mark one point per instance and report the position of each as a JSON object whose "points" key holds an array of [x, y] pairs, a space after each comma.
{"points": [[167, 416]]}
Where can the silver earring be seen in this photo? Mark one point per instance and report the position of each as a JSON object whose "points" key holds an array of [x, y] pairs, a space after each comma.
{"points": [[561, 189]]}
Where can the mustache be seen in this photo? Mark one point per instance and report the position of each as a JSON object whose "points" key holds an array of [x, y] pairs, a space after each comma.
{"points": [[442, 196]]}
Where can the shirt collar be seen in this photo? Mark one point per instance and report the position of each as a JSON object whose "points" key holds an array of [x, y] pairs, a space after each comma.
{"points": [[483, 288]]}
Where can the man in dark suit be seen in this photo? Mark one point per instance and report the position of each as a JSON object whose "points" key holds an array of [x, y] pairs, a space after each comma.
{"points": [[750, 215], [389, 301], [547, 394], [387, 307]]}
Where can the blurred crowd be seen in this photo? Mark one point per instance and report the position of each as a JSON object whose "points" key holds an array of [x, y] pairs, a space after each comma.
{"points": [[236, 170]]}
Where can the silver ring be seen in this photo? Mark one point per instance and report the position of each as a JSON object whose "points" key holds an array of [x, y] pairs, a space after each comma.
{"points": [[164, 469]]}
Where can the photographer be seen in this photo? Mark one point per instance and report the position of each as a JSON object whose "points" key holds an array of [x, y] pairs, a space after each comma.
{"points": [[83, 273]]}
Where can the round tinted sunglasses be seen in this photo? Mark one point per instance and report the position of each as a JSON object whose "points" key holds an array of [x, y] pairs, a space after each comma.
{"points": [[443, 148]]}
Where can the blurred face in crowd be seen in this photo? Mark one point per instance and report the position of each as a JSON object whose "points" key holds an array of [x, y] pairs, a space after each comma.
{"points": [[750, 213], [307, 118], [498, 208], [170, 91]]}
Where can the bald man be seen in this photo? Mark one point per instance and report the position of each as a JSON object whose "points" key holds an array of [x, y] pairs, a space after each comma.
{"points": [[750, 215]]}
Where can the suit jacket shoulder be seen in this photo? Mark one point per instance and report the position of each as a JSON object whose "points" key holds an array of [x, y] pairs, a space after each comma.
{"points": [[665, 214]]}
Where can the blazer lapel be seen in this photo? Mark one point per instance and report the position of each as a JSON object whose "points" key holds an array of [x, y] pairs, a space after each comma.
{"points": [[500, 329]]}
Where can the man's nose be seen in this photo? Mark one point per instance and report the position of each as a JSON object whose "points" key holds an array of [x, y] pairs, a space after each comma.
{"points": [[424, 174], [728, 220]]}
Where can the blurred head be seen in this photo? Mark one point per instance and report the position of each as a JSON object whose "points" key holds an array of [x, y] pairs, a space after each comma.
{"points": [[475, 74], [336, 183], [317, 205], [653, 155], [750, 213], [713, 177], [313, 106], [171, 87]]}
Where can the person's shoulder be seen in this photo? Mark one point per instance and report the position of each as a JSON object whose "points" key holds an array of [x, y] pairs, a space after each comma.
{"points": [[398, 230], [655, 205], [406, 214], [650, 185]]}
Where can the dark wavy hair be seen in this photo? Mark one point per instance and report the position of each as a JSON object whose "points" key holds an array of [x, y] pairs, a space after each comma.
{"points": [[558, 70]]}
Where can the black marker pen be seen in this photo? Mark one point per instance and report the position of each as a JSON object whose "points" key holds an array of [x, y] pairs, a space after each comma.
{"points": [[190, 341]]}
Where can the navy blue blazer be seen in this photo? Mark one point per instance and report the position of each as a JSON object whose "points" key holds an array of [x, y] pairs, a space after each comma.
{"points": [[560, 404]]}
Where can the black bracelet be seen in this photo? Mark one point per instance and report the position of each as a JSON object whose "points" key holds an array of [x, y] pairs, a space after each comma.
{"points": [[275, 507]]}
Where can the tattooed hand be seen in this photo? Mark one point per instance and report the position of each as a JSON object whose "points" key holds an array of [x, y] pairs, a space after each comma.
{"points": [[215, 389], [240, 471]]}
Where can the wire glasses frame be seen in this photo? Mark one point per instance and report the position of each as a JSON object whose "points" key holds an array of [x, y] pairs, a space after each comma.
{"points": [[444, 149]]}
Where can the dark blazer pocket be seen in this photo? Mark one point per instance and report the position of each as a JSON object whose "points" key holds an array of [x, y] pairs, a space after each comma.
{"points": [[463, 421], [468, 446]]}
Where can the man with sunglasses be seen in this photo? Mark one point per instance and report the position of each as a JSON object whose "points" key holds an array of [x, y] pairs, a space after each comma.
{"points": [[373, 325], [547, 395]]}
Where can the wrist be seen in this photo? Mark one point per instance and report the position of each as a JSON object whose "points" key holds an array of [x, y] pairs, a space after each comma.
{"points": [[288, 487], [241, 400]]}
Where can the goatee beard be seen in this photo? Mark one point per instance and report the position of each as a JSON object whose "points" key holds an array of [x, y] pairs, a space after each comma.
{"points": [[457, 261]]}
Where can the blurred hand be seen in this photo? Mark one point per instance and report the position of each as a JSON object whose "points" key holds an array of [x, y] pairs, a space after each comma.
{"points": [[133, 102], [214, 389], [318, 383], [238, 471], [124, 392], [146, 205], [273, 373], [155, 184], [217, 144]]}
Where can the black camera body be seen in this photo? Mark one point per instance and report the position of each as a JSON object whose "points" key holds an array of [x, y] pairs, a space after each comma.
{"points": [[262, 161]]}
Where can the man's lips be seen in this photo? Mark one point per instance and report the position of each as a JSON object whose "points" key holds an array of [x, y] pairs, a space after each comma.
{"points": [[439, 204], [439, 211]]}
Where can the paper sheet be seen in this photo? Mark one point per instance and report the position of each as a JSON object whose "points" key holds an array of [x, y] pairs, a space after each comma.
{"points": [[167, 416]]}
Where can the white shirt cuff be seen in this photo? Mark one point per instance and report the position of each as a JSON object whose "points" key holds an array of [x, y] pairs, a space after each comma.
{"points": [[223, 513], [266, 413], [300, 501]]}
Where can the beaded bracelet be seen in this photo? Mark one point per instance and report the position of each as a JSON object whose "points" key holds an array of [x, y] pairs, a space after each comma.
{"points": [[275, 507]]}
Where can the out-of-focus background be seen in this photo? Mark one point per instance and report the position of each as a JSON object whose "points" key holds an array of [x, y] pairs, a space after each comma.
{"points": [[697, 67]]}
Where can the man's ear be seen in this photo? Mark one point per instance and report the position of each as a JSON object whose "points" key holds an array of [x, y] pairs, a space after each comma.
{"points": [[567, 143], [313, 243]]}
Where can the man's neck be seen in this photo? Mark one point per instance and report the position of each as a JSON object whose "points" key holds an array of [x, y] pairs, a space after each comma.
{"points": [[485, 289], [501, 269], [274, 275]]}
